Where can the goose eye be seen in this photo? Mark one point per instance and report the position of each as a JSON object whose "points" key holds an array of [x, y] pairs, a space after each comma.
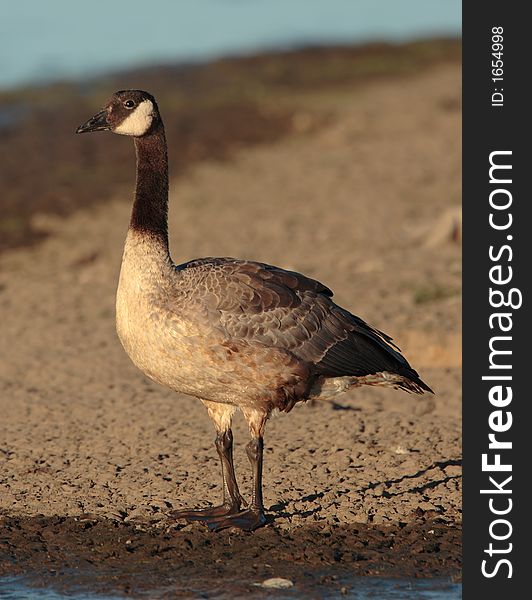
{"points": [[129, 104]]}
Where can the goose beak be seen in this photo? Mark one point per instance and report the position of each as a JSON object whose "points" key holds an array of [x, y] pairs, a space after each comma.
{"points": [[97, 123]]}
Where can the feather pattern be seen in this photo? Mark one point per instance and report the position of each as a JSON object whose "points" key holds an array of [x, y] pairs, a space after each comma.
{"points": [[266, 306]]}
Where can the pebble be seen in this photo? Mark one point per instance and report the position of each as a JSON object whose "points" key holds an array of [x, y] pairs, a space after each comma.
{"points": [[276, 583]]}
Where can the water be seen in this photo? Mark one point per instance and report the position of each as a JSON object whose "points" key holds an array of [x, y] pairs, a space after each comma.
{"points": [[14, 588], [43, 41], [359, 588]]}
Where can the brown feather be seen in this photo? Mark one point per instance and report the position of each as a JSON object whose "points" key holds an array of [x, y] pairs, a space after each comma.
{"points": [[270, 307]]}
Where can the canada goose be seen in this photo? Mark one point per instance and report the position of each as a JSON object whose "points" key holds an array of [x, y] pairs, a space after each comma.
{"points": [[236, 334]]}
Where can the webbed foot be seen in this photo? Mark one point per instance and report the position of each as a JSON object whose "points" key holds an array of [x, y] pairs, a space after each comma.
{"points": [[247, 520], [204, 514]]}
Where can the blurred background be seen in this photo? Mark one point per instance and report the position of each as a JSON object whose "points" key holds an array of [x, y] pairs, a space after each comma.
{"points": [[59, 39], [58, 60]]}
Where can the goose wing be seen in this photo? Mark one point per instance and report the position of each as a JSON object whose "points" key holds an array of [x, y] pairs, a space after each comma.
{"points": [[259, 304]]}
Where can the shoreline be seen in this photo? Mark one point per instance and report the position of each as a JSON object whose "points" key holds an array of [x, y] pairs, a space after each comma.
{"points": [[104, 556]]}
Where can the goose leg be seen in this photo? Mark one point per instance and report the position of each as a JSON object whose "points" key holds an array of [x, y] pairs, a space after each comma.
{"points": [[253, 517], [232, 500]]}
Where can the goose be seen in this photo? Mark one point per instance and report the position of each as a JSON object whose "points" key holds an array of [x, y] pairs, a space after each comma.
{"points": [[236, 334]]}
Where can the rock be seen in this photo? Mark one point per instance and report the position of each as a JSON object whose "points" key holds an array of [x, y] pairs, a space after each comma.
{"points": [[448, 228], [276, 583]]}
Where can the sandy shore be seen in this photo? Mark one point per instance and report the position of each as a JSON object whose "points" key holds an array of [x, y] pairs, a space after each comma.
{"points": [[362, 204]]}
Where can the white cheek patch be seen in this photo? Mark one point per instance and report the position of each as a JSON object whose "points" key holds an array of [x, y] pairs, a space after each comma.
{"points": [[138, 122]]}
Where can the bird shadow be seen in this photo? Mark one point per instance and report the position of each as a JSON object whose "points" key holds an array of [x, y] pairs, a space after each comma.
{"points": [[441, 465], [334, 405], [280, 508]]}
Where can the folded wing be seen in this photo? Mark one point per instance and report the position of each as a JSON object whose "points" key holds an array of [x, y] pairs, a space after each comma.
{"points": [[258, 304]]}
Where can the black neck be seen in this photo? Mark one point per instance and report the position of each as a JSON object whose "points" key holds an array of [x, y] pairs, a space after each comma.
{"points": [[150, 209]]}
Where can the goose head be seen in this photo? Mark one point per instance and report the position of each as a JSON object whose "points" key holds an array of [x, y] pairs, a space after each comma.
{"points": [[128, 112]]}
